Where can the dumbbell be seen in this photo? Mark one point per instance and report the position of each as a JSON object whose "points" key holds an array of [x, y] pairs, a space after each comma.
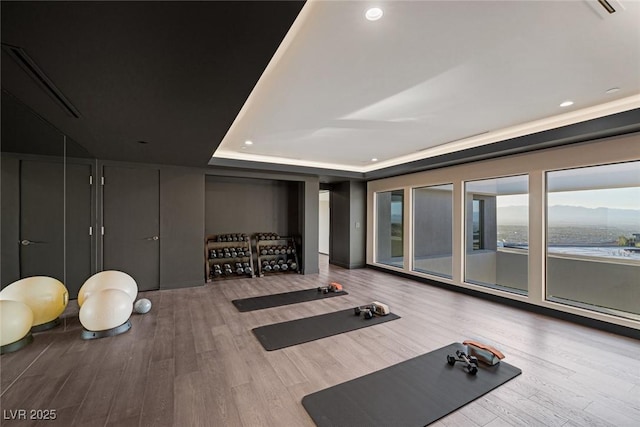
{"points": [[276, 251], [280, 262], [271, 251], [267, 267], [276, 267], [212, 254], [471, 362], [284, 267], [366, 309], [272, 262]]}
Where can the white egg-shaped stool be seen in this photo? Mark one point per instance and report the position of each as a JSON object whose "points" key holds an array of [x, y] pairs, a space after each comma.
{"points": [[109, 279], [105, 314], [46, 297], [16, 319]]}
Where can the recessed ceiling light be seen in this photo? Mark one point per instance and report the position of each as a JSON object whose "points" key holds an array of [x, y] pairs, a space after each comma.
{"points": [[143, 142], [247, 142], [566, 103], [373, 14], [374, 160], [613, 90]]}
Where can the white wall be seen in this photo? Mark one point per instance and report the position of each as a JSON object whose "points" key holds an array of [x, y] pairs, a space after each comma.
{"points": [[323, 223]]}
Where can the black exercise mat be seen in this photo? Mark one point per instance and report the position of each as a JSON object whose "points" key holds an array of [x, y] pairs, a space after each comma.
{"points": [[416, 392], [286, 298], [293, 332]]}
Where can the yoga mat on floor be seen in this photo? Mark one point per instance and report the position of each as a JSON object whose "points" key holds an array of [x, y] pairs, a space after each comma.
{"points": [[286, 334], [416, 392], [276, 300]]}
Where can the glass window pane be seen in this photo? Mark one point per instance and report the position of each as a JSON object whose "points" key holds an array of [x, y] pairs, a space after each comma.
{"points": [[389, 233], [593, 238], [497, 233], [432, 225]]}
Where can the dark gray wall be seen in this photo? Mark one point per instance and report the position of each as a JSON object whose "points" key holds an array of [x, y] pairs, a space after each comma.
{"points": [[348, 224], [181, 227], [243, 205], [308, 215], [358, 225], [183, 193], [339, 225], [10, 220], [263, 202]]}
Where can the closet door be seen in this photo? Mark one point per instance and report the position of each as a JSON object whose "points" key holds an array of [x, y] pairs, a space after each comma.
{"points": [[131, 219], [55, 221], [78, 247], [42, 219]]}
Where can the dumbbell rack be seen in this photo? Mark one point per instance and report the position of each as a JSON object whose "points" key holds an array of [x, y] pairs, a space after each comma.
{"points": [[289, 256], [215, 243]]}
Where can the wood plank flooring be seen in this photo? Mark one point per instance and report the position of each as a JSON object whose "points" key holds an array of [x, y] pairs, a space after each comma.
{"points": [[193, 361]]}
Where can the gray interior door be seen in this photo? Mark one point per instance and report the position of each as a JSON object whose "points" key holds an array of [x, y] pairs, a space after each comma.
{"points": [[42, 219], [54, 240], [78, 221], [131, 219]]}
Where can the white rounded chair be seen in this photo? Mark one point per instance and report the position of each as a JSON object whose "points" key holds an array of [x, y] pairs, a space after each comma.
{"points": [[16, 319], [45, 296], [106, 303]]}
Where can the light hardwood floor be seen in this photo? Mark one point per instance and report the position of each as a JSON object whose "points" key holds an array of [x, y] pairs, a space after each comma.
{"points": [[193, 361]]}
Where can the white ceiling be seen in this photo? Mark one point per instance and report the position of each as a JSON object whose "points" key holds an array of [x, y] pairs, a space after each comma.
{"points": [[432, 77]]}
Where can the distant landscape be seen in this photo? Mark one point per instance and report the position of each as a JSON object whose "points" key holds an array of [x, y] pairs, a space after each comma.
{"points": [[571, 225], [568, 225], [567, 235]]}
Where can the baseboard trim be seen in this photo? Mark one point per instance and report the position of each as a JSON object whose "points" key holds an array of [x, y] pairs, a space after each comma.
{"points": [[346, 265], [180, 285]]}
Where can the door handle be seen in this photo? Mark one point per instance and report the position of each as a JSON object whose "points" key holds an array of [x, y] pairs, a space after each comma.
{"points": [[26, 242], [152, 238]]}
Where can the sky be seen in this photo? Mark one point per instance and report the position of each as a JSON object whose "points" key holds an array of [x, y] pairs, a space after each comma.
{"points": [[613, 198]]}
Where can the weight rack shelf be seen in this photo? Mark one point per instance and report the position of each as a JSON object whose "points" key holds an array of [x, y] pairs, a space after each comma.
{"points": [[231, 252], [276, 255]]}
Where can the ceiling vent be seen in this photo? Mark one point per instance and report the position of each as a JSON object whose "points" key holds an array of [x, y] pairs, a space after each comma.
{"points": [[605, 8], [32, 69]]}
